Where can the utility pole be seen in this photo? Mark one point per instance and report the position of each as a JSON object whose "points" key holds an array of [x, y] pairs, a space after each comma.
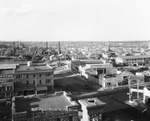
{"points": [[138, 81], [36, 87], [130, 95]]}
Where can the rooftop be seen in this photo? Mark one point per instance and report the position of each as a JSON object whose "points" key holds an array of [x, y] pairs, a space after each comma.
{"points": [[5, 72], [92, 102], [99, 64], [49, 102], [37, 67], [136, 77], [8, 66], [92, 61]]}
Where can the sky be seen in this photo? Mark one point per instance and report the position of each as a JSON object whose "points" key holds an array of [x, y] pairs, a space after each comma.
{"points": [[74, 20]]}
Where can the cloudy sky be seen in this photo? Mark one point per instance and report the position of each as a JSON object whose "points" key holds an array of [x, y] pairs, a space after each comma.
{"points": [[74, 20]]}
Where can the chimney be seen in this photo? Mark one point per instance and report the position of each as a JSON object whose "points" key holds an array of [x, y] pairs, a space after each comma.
{"points": [[59, 48]]}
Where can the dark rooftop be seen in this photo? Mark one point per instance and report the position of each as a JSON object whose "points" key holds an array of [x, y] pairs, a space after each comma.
{"points": [[51, 102], [5, 72]]}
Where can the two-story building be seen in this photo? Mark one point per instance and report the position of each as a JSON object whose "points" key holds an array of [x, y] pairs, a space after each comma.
{"points": [[136, 59], [33, 78]]}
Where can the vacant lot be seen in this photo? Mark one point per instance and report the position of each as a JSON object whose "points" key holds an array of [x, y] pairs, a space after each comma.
{"points": [[75, 84]]}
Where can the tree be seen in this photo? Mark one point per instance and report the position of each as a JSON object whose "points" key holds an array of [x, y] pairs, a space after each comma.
{"points": [[27, 57], [37, 58]]}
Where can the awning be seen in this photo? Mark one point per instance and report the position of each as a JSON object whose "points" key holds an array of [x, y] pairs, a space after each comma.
{"points": [[41, 88]]}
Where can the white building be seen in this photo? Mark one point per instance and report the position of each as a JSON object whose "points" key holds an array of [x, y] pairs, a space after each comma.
{"points": [[89, 109], [140, 59]]}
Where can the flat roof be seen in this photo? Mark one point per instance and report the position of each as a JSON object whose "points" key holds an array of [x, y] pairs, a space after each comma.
{"points": [[7, 66], [100, 64], [136, 77], [92, 61], [34, 68], [92, 102], [5, 72], [52, 102]]}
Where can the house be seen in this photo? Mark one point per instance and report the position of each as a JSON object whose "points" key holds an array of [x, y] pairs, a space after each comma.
{"points": [[110, 81], [123, 77]]}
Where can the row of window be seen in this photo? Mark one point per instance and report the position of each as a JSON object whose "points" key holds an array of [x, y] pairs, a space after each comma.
{"points": [[18, 76], [8, 88], [40, 81], [137, 59]]}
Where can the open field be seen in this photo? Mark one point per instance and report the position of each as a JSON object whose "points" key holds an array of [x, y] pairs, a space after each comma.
{"points": [[75, 84]]}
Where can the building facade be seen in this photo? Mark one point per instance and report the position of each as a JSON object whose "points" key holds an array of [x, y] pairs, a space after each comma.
{"points": [[141, 59], [92, 109], [6, 86], [33, 79], [6, 81]]}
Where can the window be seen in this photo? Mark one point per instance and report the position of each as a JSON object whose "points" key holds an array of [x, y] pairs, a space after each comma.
{"points": [[27, 82], [34, 75], [18, 76], [40, 82], [27, 76], [11, 88], [58, 119], [47, 80], [48, 74], [33, 81], [40, 75], [8, 94], [7, 88]]}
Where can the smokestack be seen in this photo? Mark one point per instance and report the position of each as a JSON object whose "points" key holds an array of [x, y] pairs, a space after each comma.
{"points": [[46, 45], [59, 48]]}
